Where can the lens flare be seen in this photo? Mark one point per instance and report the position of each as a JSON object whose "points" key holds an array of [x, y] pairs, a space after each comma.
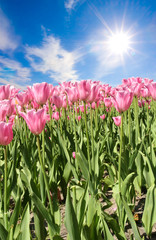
{"points": [[119, 43]]}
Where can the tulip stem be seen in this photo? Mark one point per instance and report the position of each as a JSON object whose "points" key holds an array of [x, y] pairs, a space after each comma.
{"points": [[120, 156], [88, 151], [92, 139], [5, 188], [136, 119], [129, 125], [75, 129], [96, 116], [44, 175], [51, 121]]}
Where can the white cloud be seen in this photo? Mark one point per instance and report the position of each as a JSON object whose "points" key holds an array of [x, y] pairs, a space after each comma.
{"points": [[8, 40], [12, 72], [70, 4], [52, 59]]}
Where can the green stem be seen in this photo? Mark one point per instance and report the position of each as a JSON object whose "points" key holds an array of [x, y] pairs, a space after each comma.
{"points": [[88, 151], [44, 175], [92, 138], [129, 125], [75, 129], [96, 116], [136, 119], [120, 156], [5, 188], [51, 121]]}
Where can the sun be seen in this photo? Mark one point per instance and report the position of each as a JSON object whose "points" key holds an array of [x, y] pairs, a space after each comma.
{"points": [[119, 43]]}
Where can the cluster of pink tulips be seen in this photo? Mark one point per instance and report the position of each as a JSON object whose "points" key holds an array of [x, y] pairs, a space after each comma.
{"points": [[33, 104], [71, 143]]}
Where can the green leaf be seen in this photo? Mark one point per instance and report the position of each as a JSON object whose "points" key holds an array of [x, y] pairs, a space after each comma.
{"points": [[15, 214], [25, 231], [106, 230], [71, 220], [126, 183], [40, 230], [39, 205], [131, 219], [149, 214], [3, 232]]}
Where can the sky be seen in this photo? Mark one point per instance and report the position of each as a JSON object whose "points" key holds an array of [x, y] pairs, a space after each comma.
{"points": [[70, 40]]}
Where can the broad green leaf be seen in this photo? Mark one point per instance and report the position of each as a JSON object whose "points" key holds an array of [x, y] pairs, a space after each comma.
{"points": [[3, 232], [149, 214], [126, 183], [25, 231], [71, 220], [131, 219]]}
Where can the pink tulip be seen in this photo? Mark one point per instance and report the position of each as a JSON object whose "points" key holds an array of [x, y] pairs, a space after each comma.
{"points": [[74, 155], [94, 94], [22, 98], [117, 120], [103, 117], [3, 112], [122, 100], [56, 116], [40, 92], [5, 92], [6, 133], [152, 89], [35, 120], [84, 89], [58, 100], [108, 102], [79, 118], [141, 103], [72, 94]]}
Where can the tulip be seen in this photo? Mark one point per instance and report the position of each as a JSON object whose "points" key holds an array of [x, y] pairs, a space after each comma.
{"points": [[117, 120], [4, 92], [84, 89], [3, 112], [74, 155], [35, 120], [122, 100], [6, 133], [78, 118], [40, 92], [108, 102], [152, 89], [103, 117], [56, 116]]}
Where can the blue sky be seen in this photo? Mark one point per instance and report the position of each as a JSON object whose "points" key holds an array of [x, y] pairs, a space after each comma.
{"points": [[62, 40]]}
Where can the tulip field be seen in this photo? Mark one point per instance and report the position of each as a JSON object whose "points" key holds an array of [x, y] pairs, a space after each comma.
{"points": [[71, 145]]}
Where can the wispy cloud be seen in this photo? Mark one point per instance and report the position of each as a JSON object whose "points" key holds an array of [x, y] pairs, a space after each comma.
{"points": [[8, 40], [12, 72], [52, 59], [70, 4]]}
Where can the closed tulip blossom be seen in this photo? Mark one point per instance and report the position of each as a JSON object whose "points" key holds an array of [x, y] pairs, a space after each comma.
{"points": [[152, 89], [40, 92], [108, 102], [56, 116], [35, 120], [122, 100], [117, 120], [5, 92], [102, 116], [6, 133]]}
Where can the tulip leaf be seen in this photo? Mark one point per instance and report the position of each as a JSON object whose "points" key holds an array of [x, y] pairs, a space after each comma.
{"points": [[71, 220], [25, 231], [3, 232], [131, 219], [149, 214]]}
